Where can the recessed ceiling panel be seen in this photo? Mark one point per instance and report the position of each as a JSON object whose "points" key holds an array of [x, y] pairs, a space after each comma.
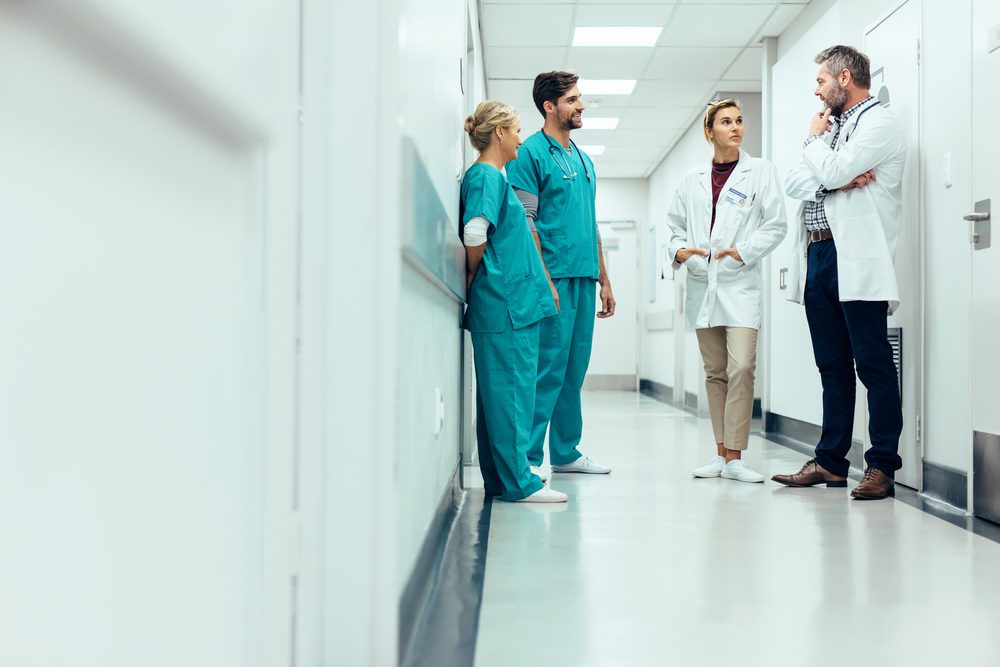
{"points": [[643, 118], [748, 66], [609, 62], [781, 19], [624, 15], [507, 62], [662, 93], [516, 25], [621, 169], [715, 25], [690, 63]]}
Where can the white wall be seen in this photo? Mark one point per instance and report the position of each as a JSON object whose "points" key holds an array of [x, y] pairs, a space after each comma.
{"points": [[147, 411], [429, 341], [620, 199]]}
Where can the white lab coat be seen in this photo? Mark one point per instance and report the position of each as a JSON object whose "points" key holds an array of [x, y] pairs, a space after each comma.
{"points": [[864, 221], [750, 216]]}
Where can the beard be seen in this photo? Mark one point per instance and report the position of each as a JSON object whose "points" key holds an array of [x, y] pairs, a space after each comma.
{"points": [[569, 123], [836, 100]]}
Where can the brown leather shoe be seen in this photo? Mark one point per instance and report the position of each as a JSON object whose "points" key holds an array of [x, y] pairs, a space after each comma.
{"points": [[875, 485], [811, 474]]}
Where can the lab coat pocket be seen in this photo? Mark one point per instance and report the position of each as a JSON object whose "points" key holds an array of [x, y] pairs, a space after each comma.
{"points": [[697, 267], [860, 237], [729, 269]]}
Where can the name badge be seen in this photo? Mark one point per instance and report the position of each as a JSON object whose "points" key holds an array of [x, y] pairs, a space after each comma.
{"points": [[736, 197]]}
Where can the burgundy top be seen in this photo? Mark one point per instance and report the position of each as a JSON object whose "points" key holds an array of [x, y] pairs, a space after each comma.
{"points": [[720, 174]]}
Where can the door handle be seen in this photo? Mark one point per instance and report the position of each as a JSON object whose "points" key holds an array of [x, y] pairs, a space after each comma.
{"points": [[782, 283], [976, 217]]}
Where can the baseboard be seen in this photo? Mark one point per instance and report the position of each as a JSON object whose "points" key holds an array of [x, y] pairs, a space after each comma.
{"points": [[803, 436], [609, 383], [946, 484], [421, 581], [660, 392]]}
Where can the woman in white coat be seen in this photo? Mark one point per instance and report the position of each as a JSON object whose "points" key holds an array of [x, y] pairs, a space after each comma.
{"points": [[725, 218]]}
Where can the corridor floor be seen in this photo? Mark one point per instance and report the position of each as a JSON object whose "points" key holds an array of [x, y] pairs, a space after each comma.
{"points": [[648, 566]]}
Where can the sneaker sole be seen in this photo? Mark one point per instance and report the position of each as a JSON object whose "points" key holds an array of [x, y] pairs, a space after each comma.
{"points": [[737, 479], [704, 476]]}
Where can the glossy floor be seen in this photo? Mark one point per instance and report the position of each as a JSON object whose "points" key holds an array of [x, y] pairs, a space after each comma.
{"points": [[648, 566]]}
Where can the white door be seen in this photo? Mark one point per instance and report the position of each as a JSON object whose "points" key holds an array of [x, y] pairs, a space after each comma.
{"points": [[985, 302], [614, 359], [893, 48]]}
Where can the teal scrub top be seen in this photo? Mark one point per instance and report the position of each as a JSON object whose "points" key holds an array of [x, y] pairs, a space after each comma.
{"points": [[510, 281], [566, 220]]}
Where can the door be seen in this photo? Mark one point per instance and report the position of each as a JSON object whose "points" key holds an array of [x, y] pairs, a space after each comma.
{"points": [[614, 359], [893, 45], [985, 301]]}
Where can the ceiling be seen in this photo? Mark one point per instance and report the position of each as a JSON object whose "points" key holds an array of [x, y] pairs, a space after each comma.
{"points": [[704, 47]]}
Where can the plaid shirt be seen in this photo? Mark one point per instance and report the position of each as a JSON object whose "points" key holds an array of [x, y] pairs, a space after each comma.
{"points": [[814, 212]]}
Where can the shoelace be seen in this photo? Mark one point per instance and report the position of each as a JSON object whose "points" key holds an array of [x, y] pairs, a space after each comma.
{"points": [[870, 474]]}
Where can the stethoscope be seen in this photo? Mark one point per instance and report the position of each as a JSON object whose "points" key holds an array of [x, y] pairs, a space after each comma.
{"points": [[564, 166], [847, 135]]}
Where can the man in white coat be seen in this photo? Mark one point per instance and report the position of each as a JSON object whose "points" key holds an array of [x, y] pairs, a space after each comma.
{"points": [[850, 184]]}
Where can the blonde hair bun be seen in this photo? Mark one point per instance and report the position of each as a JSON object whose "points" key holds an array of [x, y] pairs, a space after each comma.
{"points": [[482, 124]]}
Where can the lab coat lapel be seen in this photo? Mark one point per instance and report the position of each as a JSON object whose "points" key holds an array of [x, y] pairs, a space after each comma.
{"points": [[727, 216]]}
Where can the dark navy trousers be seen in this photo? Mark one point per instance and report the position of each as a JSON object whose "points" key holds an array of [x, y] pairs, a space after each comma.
{"points": [[845, 333]]}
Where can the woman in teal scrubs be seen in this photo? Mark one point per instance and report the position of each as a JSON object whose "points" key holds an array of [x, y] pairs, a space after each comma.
{"points": [[508, 295]]}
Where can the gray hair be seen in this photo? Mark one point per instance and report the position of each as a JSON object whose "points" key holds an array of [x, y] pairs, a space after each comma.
{"points": [[840, 57]]}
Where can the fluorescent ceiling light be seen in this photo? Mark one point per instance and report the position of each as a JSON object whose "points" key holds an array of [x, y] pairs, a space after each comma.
{"points": [[616, 36], [599, 123], [606, 86], [592, 150]]}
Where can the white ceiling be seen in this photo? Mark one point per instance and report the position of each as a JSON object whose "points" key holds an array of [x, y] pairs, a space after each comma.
{"points": [[705, 46]]}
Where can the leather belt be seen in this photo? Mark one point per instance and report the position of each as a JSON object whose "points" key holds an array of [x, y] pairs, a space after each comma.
{"points": [[820, 235]]}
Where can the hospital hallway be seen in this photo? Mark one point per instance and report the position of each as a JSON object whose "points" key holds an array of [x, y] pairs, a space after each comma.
{"points": [[274, 274], [650, 566]]}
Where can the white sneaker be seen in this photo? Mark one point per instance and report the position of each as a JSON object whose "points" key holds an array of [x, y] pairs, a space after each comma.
{"points": [[711, 469], [583, 464], [543, 474], [741, 471], [545, 495]]}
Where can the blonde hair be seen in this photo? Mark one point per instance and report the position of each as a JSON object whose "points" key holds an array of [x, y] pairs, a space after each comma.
{"points": [[714, 107], [489, 115]]}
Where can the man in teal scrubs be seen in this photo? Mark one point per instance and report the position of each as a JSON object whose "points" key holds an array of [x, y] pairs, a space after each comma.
{"points": [[556, 183]]}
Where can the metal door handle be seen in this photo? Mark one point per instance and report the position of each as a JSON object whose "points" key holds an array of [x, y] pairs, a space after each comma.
{"points": [[976, 217], [782, 284]]}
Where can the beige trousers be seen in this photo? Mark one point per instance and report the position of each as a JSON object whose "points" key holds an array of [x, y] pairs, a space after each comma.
{"points": [[730, 356]]}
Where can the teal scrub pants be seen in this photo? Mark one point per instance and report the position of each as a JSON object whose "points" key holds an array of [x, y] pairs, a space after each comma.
{"points": [[565, 341], [506, 366]]}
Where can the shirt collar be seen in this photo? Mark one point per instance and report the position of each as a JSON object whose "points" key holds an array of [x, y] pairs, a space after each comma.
{"points": [[853, 110]]}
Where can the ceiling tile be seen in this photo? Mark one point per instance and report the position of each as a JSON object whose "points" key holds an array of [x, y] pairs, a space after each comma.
{"points": [[506, 62], [736, 2], [690, 63], [624, 15], [609, 62], [748, 66], [622, 169], [546, 25], [632, 153], [672, 93], [657, 118], [715, 25], [781, 20], [741, 86]]}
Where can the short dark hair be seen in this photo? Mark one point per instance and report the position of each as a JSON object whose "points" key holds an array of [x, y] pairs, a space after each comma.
{"points": [[840, 57], [550, 86]]}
